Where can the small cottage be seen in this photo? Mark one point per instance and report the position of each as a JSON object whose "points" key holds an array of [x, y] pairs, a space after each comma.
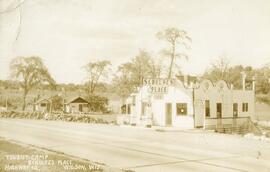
{"points": [[76, 105], [43, 105]]}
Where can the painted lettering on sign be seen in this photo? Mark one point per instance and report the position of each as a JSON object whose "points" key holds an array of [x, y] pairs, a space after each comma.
{"points": [[157, 85], [158, 89], [157, 81]]}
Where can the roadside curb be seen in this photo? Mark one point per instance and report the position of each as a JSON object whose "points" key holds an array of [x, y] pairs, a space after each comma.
{"points": [[168, 129]]}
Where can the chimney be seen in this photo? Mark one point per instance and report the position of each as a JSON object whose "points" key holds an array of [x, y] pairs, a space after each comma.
{"points": [[244, 75]]}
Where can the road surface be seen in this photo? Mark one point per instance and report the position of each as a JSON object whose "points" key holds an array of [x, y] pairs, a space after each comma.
{"points": [[143, 150]]}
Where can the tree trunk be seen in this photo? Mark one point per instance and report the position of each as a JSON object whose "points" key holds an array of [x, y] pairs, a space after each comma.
{"points": [[170, 69], [172, 60], [24, 99]]}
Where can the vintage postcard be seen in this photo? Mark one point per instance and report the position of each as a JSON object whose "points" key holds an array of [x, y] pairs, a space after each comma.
{"points": [[135, 85]]}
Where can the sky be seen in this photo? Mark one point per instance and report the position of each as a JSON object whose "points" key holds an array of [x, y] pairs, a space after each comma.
{"points": [[67, 34]]}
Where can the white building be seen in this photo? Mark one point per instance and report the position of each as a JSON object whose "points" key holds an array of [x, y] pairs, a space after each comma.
{"points": [[43, 105], [219, 101], [163, 102]]}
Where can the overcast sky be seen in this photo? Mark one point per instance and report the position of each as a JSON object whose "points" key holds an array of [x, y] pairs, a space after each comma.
{"points": [[67, 34]]}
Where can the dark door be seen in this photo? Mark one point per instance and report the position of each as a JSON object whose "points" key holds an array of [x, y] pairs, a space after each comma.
{"points": [[235, 110], [80, 107], [48, 106], [219, 110], [207, 108], [168, 114], [235, 114]]}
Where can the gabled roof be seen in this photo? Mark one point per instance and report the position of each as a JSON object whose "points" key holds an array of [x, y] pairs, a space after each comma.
{"points": [[76, 99]]}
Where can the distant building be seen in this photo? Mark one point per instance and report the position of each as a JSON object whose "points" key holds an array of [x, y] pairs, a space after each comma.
{"points": [[43, 105], [76, 105], [180, 103]]}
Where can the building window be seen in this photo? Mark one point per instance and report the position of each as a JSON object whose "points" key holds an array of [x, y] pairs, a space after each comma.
{"points": [[207, 108], [43, 104], [244, 107], [181, 108]]}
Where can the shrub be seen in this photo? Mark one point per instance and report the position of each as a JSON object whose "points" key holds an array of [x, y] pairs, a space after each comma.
{"points": [[267, 134], [54, 116]]}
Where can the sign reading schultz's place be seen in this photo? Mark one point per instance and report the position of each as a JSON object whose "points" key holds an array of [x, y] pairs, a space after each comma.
{"points": [[157, 85]]}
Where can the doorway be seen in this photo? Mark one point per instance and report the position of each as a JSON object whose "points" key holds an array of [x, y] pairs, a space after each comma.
{"points": [[219, 110], [235, 114], [80, 107], [235, 110], [219, 115], [48, 107], [168, 110], [207, 108]]}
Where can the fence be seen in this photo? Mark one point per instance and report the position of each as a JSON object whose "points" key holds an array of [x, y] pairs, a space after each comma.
{"points": [[229, 124]]}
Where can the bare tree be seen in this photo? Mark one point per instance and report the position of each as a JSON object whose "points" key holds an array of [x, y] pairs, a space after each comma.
{"points": [[129, 75], [174, 37], [95, 72], [31, 72], [219, 70], [222, 67]]}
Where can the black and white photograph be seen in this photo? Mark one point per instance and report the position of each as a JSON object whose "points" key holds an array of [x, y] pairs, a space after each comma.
{"points": [[135, 85]]}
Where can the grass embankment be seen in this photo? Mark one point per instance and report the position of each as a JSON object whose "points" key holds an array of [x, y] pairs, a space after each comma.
{"points": [[19, 157]]}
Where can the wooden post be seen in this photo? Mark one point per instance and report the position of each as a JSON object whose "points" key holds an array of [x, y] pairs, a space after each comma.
{"points": [[193, 105], [6, 104], [50, 106], [243, 80]]}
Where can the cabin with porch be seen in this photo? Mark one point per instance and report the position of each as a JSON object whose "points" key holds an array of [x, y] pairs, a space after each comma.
{"points": [[76, 105], [43, 105]]}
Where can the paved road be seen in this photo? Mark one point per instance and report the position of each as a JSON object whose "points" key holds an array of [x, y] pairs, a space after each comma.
{"points": [[143, 149]]}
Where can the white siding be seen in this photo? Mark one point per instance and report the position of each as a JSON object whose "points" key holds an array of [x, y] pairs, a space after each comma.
{"points": [[218, 93], [226, 96]]}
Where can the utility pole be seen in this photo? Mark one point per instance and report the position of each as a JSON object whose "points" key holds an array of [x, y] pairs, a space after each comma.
{"points": [[64, 97], [244, 75], [193, 103], [6, 103]]}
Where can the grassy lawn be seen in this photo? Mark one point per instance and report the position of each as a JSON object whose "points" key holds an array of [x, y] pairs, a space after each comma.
{"points": [[18, 157]]}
